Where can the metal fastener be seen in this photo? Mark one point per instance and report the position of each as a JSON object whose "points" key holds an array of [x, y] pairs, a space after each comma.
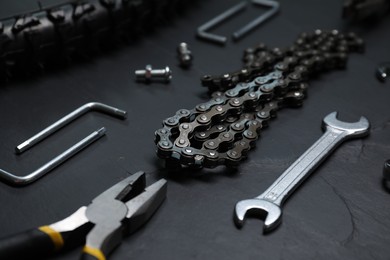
{"points": [[185, 55], [149, 73]]}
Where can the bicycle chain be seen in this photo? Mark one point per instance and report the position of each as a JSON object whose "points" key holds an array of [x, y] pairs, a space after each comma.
{"points": [[223, 130]]}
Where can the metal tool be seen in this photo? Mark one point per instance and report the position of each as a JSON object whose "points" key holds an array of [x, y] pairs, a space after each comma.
{"points": [[383, 71], [185, 55], [245, 102], [112, 215], [202, 30], [275, 6], [386, 170], [149, 73], [92, 106], [47, 167], [269, 203]]}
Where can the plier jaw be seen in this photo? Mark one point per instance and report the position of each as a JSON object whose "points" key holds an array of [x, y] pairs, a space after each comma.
{"points": [[133, 206]]}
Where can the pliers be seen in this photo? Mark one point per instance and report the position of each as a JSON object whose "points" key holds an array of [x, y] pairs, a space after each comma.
{"points": [[100, 226]]}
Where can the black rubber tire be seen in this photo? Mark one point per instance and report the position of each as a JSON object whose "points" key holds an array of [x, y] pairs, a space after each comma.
{"points": [[59, 34]]}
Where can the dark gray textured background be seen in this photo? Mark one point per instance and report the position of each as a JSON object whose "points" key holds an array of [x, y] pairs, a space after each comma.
{"points": [[341, 211]]}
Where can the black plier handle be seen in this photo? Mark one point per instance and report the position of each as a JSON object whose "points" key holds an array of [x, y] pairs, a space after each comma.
{"points": [[47, 239]]}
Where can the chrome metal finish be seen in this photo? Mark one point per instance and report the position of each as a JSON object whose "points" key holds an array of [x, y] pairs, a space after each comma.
{"points": [[201, 31], [47, 167], [269, 202], [149, 73], [275, 7], [92, 106]]}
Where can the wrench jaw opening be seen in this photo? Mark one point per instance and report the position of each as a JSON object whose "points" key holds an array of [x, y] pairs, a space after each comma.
{"points": [[352, 130], [270, 212]]}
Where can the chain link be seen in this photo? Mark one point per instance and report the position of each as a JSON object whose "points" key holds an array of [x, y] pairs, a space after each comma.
{"points": [[222, 130]]}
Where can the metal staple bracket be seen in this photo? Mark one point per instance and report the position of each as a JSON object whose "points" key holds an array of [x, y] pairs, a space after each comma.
{"points": [[237, 35], [47, 167]]}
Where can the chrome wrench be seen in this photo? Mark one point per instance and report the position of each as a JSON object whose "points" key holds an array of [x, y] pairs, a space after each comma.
{"points": [[269, 203]]}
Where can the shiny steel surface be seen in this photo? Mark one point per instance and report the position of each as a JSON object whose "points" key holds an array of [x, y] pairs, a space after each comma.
{"points": [[271, 200]]}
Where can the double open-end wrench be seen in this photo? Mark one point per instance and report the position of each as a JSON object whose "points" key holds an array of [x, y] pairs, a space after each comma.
{"points": [[269, 203]]}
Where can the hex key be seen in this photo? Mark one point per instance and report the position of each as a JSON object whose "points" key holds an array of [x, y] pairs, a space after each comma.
{"points": [[201, 31], [92, 106], [23, 180], [259, 20]]}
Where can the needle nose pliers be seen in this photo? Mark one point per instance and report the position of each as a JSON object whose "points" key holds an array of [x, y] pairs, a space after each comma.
{"points": [[100, 226]]}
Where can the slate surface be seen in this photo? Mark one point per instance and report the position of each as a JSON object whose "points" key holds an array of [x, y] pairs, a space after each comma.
{"points": [[341, 211]]}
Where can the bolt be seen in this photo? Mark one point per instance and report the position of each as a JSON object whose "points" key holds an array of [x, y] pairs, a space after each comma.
{"points": [[185, 55], [149, 73]]}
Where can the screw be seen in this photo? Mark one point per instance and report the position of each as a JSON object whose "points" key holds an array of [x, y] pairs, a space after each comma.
{"points": [[148, 73], [185, 55]]}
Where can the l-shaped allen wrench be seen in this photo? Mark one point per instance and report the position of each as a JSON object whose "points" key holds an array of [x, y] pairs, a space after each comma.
{"points": [[47, 167], [237, 35], [91, 106], [201, 31], [274, 8]]}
